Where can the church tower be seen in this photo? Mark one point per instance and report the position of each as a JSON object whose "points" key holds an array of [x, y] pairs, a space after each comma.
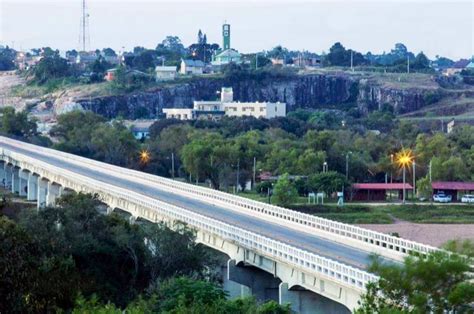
{"points": [[225, 36]]}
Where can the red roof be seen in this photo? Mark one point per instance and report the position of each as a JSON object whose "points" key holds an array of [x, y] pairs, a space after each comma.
{"points": [[381, 186], [460, 186]]}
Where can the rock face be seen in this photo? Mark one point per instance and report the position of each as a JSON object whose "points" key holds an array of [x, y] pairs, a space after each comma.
{"points": [[304, 91], [373, 97]]}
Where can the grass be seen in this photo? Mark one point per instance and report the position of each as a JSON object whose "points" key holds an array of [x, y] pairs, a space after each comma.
{"points": [[384, 214], [433, 213]]}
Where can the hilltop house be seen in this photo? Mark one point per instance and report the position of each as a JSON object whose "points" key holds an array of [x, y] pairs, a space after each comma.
{"points": [[189, 67], [165, 73]]}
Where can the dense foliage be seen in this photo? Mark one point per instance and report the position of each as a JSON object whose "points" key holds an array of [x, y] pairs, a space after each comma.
{"points": [[223, 152], [49, 257], [437, 283]]}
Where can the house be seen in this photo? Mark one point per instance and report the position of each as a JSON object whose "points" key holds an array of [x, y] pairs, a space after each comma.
{"points": [[139, 128], [376, 191], [191, 67], [457, 67], [452, 188], [215, 109], [110, 75], [165, 73]]}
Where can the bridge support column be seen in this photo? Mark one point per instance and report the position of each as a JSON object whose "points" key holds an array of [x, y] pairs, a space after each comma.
{"points": [[307, 302], [32, 188], [24, 175], [8, 176], [42, 192], [2, 173], [262, 285], [15, 180], [54, 191]]}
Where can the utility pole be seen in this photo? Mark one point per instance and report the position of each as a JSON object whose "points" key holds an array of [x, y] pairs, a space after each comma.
{"points": [[172, 165], [83, 25], [254, 170], [237, 177], [404, 192], [414, 178], [352, 61], [430, 169], [347, 165], [408, 64], [391, 168], [256, 61]]}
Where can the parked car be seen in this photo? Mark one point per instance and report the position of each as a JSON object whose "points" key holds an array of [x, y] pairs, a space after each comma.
{"points": [[442, 198], [467, 198]]}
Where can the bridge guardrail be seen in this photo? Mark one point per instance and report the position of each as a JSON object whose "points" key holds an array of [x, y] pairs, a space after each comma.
{"points": [[277, 250], [316, 223]]}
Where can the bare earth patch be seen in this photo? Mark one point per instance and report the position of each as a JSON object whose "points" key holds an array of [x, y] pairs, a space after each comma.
{"points": [[432, 234]]}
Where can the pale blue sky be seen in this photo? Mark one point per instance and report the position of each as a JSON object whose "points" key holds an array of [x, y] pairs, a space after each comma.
{"points": [[435, 27]]}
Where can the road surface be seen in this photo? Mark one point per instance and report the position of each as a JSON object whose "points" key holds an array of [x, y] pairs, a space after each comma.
{"points": [[345, 254]]}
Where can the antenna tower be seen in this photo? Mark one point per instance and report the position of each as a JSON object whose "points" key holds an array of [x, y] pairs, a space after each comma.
{"points": [[84, 38]]}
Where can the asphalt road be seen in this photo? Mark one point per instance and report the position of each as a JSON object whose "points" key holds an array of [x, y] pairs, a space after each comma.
{"points": [[345, 254]]}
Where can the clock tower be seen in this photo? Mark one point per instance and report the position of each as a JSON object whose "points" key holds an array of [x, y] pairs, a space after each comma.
{"points": [[225, 36]]}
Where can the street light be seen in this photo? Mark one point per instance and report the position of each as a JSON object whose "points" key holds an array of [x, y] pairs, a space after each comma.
{"points": [[404, 159], [144, 156], [325, 167]]}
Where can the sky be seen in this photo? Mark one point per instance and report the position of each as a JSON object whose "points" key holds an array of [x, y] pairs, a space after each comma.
{"points": [[435, 27]]}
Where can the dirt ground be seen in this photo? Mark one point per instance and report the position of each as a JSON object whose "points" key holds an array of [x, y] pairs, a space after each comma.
{"points": [[432, 234], [9, 79]]}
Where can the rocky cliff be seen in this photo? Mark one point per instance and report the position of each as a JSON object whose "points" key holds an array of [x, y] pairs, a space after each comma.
{"points": [[310, 91]]}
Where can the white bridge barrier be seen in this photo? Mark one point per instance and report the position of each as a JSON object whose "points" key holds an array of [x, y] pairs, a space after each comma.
{"points": [[383, 241], [152, 209]]}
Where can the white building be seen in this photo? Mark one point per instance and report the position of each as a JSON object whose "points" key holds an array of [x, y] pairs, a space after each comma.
{"points": [[190, 67], [165, 73], [213, 110]]}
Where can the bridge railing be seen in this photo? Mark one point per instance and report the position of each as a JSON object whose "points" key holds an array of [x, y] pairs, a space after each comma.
{"points": [[273, 249], [281, 214]]}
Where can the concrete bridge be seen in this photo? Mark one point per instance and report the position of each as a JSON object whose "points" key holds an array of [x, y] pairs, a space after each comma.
{"points": [[317, 265]]}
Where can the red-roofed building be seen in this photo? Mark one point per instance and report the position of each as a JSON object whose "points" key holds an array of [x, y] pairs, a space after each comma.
{"points": [[452, 188], [376, 191]]}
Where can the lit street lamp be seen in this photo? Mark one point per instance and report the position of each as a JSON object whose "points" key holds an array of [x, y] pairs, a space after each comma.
{"points": [[404, 159]]}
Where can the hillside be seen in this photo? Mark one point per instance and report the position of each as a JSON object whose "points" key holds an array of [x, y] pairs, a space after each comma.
{"points": [[411, 96]]}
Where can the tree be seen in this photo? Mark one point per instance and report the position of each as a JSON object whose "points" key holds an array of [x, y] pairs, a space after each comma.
{"points": [[327, 182], [114, 144], [17, 123], [74, 130], [50, 67], [18, 263], [109, 52], [436, 283], [421, 62], [7, 58], [284, 191], [188, 257]]}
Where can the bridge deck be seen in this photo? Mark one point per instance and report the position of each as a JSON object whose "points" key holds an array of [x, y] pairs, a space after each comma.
{"points": [[345, 254]]}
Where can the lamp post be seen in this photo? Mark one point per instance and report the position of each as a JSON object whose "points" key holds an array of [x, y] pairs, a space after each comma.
{"points": [[325, 167], [414, 178], [391, 168], [347, 165], [404, 159]]}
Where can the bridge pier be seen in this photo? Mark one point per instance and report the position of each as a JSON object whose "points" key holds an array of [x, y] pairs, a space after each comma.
{"points": [[24, 175], [262, 285], [42, 191], [2, 172], [304, 301], [8, 176], [15, 180], [32, 188], [54, 191]]}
